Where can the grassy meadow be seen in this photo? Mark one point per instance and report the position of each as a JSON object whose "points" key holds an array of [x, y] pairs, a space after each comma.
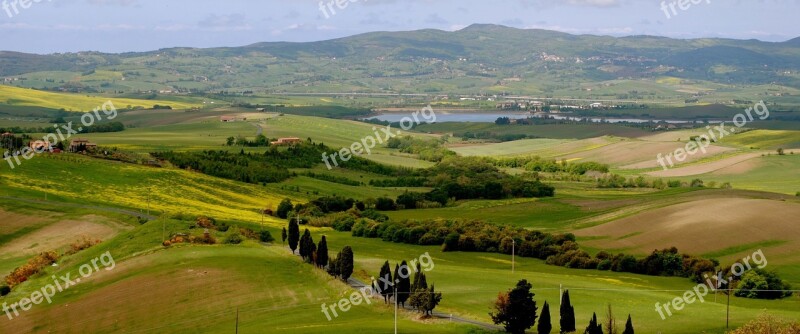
{"points": [[199, 288]]}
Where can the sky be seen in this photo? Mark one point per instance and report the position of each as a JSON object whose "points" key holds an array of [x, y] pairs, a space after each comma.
{"points": [[52, 26]]}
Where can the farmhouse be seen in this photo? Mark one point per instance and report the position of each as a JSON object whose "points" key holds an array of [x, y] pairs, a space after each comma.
{"points": [[41, 146], [80, 144], [286, 141]]}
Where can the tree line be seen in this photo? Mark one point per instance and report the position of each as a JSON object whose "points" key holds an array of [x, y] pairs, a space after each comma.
{"points": [[516, 311], [340, 266]]}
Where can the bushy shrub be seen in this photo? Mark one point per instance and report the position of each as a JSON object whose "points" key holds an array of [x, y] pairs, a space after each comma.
{"points": [[4, 290], [32, 267], [344, 224], [762, 284], [767, 324], [233, 239], [265, 236], [81, 245]]}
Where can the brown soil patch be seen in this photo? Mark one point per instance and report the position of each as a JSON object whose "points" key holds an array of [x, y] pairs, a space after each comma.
{"points": [[61, 234], [740, 168], [13, 222], [638, 154], [705, 168], [702, 226]]}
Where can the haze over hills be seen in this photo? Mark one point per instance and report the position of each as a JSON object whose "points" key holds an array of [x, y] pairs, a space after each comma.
{"points": [[479, 58]]}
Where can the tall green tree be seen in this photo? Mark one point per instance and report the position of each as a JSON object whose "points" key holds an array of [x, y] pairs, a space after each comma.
{"points": [[294, 235], [567, 313], [404, 286], [385, 282], [283, 235], [433, 301], [628, 326], [322, 252], [345, 263], [516, 309], [594, 327], [284, 208], [420, 281], [545, 324], [333, 266], [304, 244]]}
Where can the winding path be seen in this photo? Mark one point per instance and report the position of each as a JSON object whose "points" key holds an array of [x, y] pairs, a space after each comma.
{"points": [[358, 284]]}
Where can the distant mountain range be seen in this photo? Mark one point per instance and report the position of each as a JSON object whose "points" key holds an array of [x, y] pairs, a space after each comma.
{"points": [[477, 58]]}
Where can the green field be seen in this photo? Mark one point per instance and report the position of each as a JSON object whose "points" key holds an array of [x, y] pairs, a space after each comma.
{"points": [[14, 96], [199, 288]]}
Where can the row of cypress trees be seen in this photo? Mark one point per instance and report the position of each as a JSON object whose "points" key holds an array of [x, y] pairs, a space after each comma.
{"points": [[516, 311]]}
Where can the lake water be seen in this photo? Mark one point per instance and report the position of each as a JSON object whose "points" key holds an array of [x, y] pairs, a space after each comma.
{"points": [[490, 117]]}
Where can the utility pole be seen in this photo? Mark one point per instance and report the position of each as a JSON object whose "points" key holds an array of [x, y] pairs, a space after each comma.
{"points": [[728, 316], [395, 309], [148, 200], [513, 244], [237, 320]]}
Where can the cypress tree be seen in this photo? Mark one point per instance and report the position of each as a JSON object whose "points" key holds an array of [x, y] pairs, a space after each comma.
{"points": [[628, 326], [322, 252], [545, 326], [567, 313], [304, 244], [294, 235], [594, 327], [385, 284], [404, 286], [283, 235], [345, 263]]}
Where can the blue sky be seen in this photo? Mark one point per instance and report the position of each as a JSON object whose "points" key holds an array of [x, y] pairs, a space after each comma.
{"points": [[140, 25]]}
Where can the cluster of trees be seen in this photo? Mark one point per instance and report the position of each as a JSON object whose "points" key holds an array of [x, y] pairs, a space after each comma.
{"points": [[555, 249], [400, 286], [259, 141], [469, 178], [761, 284], [429, 150], [269, 167], [516, 311], [538, 164], [95, 128], [340, 266], [502, 137], [619, 181], [102, 127]]}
